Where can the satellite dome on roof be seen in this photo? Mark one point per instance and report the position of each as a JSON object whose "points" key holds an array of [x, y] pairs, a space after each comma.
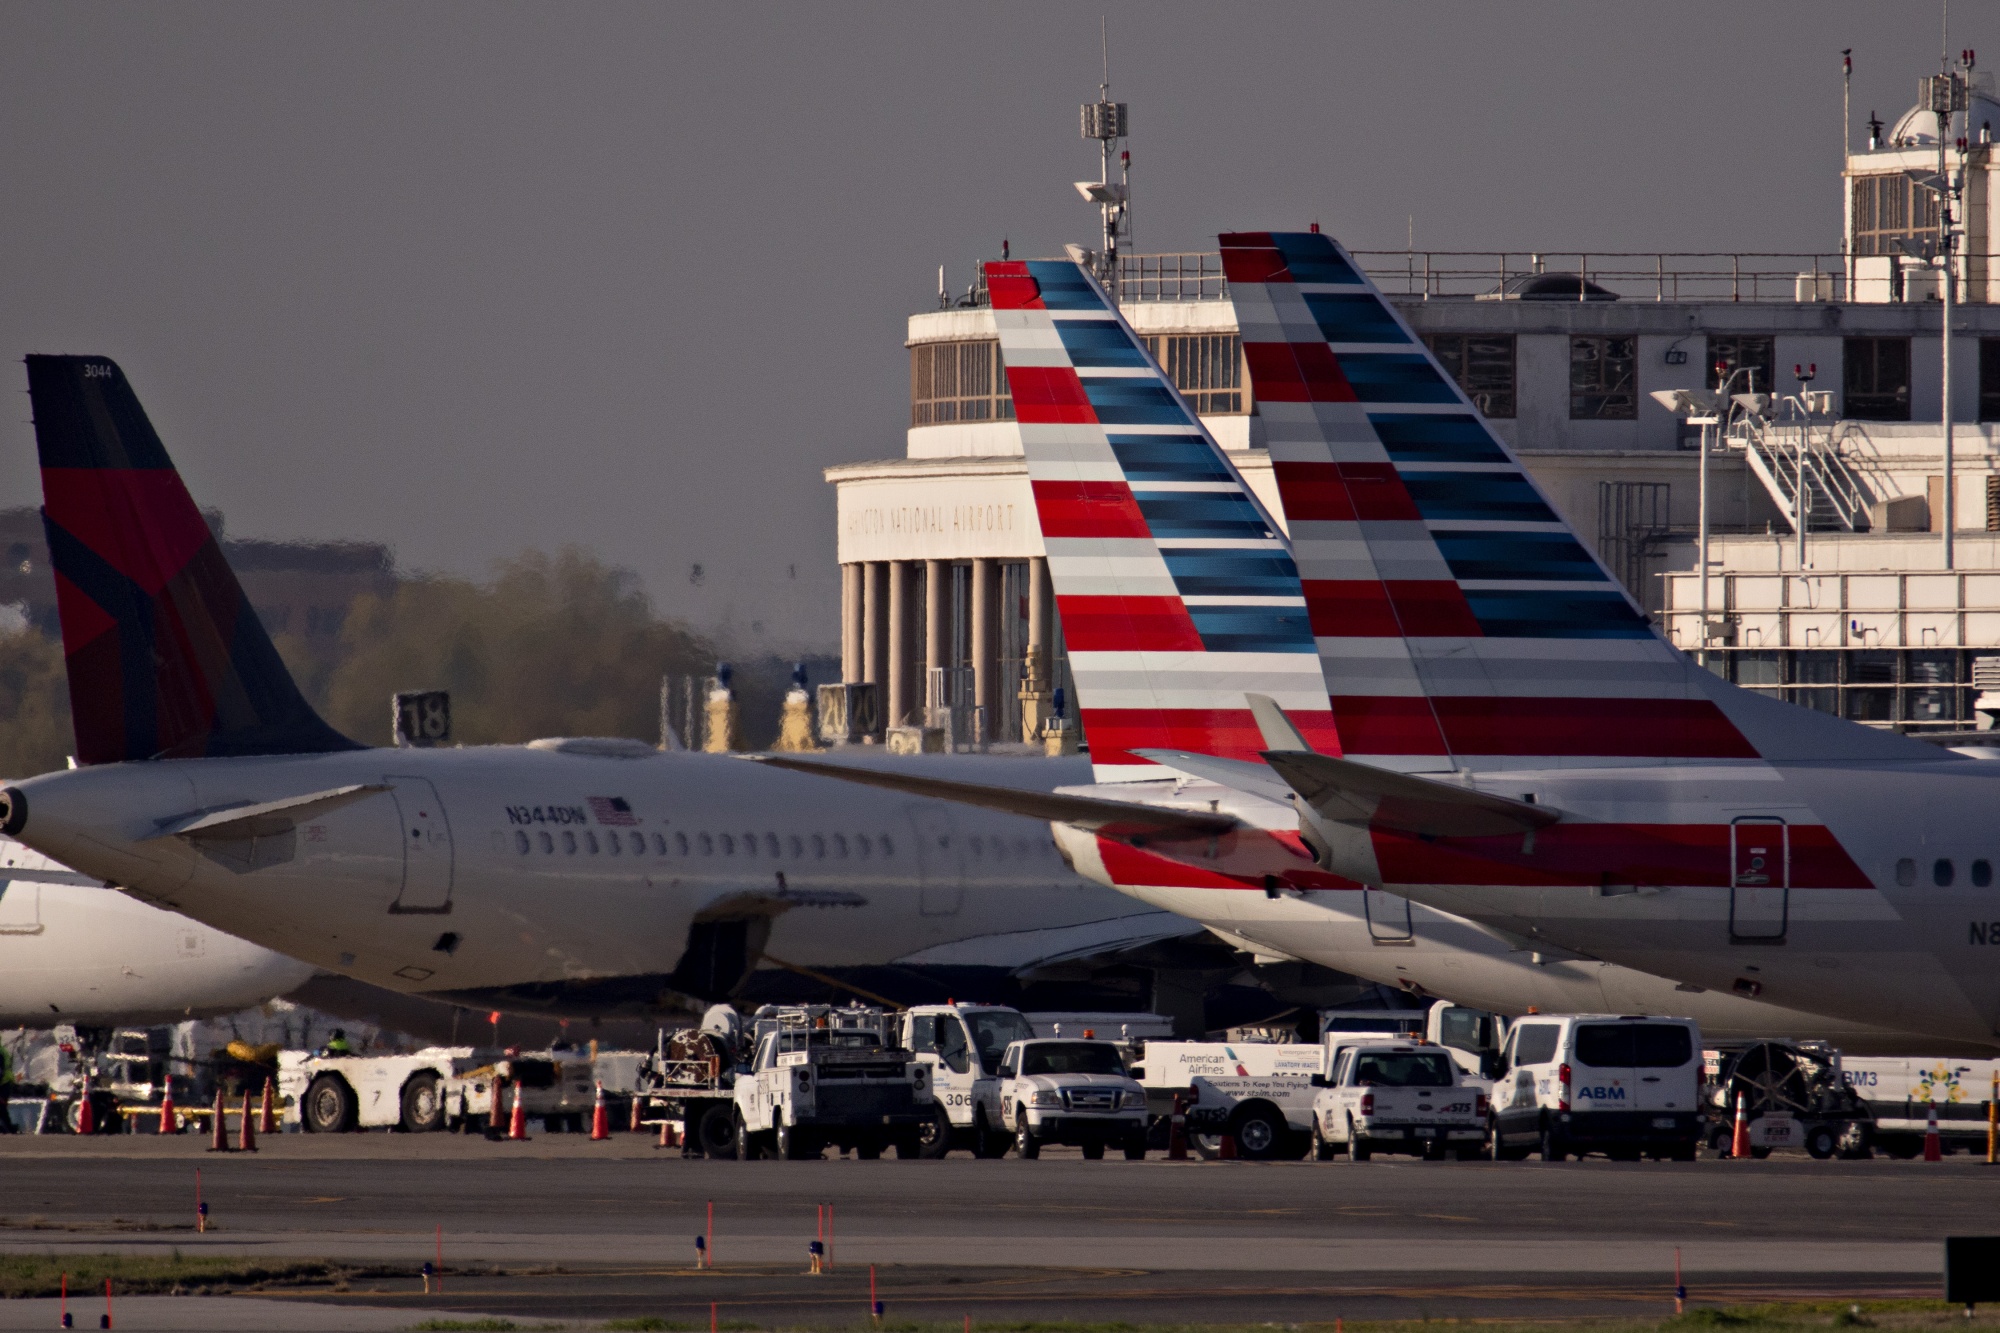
{"points": [[1918, 126]]}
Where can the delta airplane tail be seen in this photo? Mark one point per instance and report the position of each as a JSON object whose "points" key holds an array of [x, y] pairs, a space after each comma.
{"points": [[1177, 592], [166, 658], [1460, 621]]}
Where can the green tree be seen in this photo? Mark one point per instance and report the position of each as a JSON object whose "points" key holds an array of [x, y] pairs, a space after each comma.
{"points": [[35, 731]]}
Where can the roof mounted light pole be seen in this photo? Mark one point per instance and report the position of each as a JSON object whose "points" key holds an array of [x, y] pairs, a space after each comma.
{"points": [[1702, 408]]}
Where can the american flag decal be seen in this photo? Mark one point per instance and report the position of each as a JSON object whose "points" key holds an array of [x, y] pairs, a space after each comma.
{"points": [[613, 810]]}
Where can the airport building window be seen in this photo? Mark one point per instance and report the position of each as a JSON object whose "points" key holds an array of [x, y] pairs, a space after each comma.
{"points": [[1206, 367], [958, 381], [1942, 872], [1989, 380], [1916, 690], [1757, 356], [1603, 379], [1888, 208], [1875, 381], [1483, 365]]}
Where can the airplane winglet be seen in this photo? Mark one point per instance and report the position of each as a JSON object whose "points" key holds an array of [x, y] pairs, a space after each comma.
{"points": [[1279, 733]]}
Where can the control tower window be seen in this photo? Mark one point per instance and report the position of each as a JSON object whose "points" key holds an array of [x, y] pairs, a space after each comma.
{"points": [[1206, 367], [1889, 208], [1989, 379], [1876, 379], [1755, 355], [1603, 384], [958, 381], [1483, 365]]}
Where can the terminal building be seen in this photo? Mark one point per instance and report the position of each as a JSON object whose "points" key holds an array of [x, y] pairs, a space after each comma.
{"points": [[1853, 555]]}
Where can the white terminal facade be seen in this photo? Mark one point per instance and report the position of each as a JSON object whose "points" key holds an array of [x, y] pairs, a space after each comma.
{"points": [[945, 594]]}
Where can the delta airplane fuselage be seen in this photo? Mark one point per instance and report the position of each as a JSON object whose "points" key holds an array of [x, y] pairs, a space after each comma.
{"points": [[523, 873]]}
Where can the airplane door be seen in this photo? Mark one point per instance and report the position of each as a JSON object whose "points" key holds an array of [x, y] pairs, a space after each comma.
{"points": [[1759, 879], [427, 858], [940, 861], [1388, 917], [20, 907]]}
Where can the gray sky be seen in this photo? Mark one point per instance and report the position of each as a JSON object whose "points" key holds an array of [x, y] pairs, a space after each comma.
{"points": [[466, 278]]}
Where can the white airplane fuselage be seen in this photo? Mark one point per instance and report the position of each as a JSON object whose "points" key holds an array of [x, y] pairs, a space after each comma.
{"points": [[489, 868], [93, 957]]}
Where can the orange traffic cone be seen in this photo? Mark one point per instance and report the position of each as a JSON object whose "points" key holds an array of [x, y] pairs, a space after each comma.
{"points": [[247, 1133], [86, 1112], [1739, 1139], [600, 1118], [1933, 1145], [517, 1126], [1177, 1135], [635, 1113], [218, 1138], [169, 1118], [1227, 1152], [267, 1117]]}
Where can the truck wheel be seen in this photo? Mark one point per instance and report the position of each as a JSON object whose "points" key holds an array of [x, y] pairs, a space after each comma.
{"points": [[747, 1145], [1357, 1147], [1552, 1148], [868, 1150], [715, 1131], [423, 1106], [329, 1106], [987, 1142], [794, 1146], [1822, 1142], [1093, 1152], [1025, 1143], [1322, 1150], [1260, 1133], [934, 1139], [1135, 1146]]}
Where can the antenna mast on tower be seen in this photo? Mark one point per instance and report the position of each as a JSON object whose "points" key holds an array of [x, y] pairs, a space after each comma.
{"points": [[1105, 121]]}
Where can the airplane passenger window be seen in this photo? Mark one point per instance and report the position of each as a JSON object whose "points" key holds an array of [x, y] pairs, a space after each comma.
{"points": [[1942, 873], [974, 840], [888, 848], [681, 839], [707, 845], [771, 847], [612, 843], [569, 842], [638, 841], [999, 849], [548, 843], [590, 841], [749, 844], [799, 849], [840, 845], [728, 844], [819, 843], [521, 839], [1906, 872], [1982, 874], [861, 845]]}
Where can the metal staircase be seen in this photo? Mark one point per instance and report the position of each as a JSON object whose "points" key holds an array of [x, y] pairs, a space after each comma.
{"points": [[1794, 453]]}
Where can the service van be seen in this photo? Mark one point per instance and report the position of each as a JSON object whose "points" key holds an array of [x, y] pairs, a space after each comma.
{"points": [[1625, 1085]]}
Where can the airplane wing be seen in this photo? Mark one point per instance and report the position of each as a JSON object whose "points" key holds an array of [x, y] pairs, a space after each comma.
{"points": [[1021, 950], [1351, 793], [1236, 774], [1083, 811]]}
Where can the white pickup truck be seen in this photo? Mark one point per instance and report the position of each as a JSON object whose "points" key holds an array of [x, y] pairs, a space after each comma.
{"points": [[1054, 1090], [1396, 1096]]}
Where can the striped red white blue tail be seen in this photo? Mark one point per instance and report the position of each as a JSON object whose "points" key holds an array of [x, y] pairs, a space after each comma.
{"points": [[1460, 622], [1177, 591]]}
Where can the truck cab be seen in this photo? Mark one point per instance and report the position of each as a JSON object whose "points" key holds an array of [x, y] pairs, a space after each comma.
{"points": [[822, 1077], [1397, 1096], [963, 1044], [1062, 1090]]}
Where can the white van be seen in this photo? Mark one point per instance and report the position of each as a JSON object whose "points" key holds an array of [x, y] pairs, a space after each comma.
{"points": [[1623, 1085]]}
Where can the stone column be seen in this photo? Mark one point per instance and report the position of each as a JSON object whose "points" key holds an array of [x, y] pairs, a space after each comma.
{"points": [[875, 624], [986, 642], [1036, 686], [902, 644], [937, 628], [852, 625]]}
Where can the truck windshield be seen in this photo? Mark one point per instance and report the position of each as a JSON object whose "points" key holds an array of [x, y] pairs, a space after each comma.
{"points": [[993, 1031], [1403, 1069], [1071, 1057]]}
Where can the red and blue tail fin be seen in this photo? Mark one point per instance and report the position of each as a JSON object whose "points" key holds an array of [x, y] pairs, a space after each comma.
{"points": [[1177, 592], [166, 657], [1460, 621]]}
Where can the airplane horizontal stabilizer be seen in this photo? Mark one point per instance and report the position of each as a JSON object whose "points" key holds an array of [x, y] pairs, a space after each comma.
{"points": [[1024, 950], [267, 817], [1083, 811], [1353, 793], [1236, 774]]}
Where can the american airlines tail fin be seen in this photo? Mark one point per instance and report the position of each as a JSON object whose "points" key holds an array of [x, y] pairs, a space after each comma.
{"points": [[1177, 591], [1460, 622], [166, 657]]}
